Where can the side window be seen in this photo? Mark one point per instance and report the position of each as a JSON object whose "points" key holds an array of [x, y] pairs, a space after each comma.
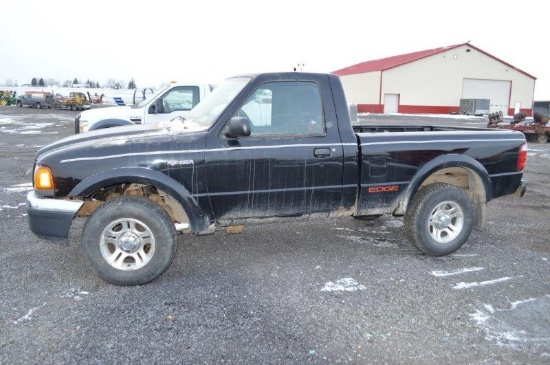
{"points": [[285, 108], [180, 98]]}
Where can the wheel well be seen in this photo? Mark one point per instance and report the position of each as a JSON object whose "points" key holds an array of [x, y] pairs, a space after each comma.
{"points": [[467, 180], [166, 201]]}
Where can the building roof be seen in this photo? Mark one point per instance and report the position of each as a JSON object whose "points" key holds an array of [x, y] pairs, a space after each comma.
{"points": [[387, 63]]}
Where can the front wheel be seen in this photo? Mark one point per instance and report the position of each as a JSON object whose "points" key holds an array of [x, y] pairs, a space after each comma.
{"points": [[129, 241], [440, 219]]}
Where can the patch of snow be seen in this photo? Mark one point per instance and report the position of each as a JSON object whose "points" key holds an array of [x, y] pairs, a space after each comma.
{"points": [[345, 284], [483, 283], [456, 272]]}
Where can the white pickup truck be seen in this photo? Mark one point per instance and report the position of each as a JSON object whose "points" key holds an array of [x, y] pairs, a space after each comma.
{"points": [[174, 100]]}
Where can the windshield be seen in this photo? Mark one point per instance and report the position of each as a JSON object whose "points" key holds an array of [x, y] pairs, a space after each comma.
{"points": [[208, 110]]}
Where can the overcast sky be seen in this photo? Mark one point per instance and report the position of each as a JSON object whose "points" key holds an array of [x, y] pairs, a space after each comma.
{"points": [[154, 42]]}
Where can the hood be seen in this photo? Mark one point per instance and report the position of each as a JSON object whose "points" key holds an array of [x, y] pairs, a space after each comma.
{"points": [[119, 136], [115, 112]]}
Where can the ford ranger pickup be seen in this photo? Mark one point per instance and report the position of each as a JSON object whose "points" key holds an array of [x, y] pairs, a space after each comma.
{"points": [[264, 146]]}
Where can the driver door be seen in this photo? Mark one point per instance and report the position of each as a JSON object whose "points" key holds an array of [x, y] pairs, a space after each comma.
{"points": [[289, 165], [178, 101]]}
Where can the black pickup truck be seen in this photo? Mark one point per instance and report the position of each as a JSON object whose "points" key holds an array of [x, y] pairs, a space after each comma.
{"points": [[264, 146]]}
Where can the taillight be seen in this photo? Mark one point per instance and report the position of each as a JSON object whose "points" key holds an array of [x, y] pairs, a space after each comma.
{"points": [[522, 158]]}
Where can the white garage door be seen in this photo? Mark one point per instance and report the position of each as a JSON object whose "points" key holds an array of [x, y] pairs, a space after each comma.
{"points": [[391, 103], [495, 90]]}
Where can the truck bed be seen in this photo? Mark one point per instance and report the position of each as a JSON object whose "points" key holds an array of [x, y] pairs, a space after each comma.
{"points": [[390, 162]]}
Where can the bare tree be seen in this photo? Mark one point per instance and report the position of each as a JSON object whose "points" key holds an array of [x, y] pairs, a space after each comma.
{"points": [[111, 83], [52, 82], [9, 83]]}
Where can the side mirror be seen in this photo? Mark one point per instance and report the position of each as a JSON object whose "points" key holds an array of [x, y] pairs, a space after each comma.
{"points": [[157, 107], [237, 127]]}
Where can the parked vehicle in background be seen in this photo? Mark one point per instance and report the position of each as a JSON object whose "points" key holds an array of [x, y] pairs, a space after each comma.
{"points": [[173, 101], [261, 147], [75, 101], [38, 99], [7, 97], [537, 130]]}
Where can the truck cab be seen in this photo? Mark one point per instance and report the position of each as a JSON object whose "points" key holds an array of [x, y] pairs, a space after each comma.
{"points": [[174, 100]]}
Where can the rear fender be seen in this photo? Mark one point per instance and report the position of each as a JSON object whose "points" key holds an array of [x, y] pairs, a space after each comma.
{"points": [[479, 182]]}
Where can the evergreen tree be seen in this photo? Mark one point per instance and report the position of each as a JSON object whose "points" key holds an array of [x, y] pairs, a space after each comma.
{"points": [[41, 82], [132, 84], [75, 81], [34, 82], [97, 85]]}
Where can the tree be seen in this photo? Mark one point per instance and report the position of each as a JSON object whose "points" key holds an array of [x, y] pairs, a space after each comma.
{"points": [[34, 82], [41, 82], [75, 81], [132, 84], [52, 82], [9, 83], [67, 83], [111, 83], [97, 85]]}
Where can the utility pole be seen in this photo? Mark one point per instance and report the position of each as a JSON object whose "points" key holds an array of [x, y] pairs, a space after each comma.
{"points": [[299, 67]]}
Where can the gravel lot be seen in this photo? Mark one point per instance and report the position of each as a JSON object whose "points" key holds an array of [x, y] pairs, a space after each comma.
{"points": [[326, 291]]}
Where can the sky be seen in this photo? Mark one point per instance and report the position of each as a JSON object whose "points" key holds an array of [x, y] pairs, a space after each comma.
{"points": [[209, 40]]}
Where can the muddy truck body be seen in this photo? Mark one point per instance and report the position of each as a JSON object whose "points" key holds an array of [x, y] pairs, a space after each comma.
{"points": [[265, 146]]}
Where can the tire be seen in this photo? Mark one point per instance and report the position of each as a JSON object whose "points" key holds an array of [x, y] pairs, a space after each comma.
{"points": [[530, 137], [542, 138], [38, 106], [440, 219], [19, 104], [129, 241]]}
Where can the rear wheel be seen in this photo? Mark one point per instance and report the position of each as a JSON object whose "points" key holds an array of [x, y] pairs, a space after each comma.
{"points": [[440, 219], [129, 241], [38, 105]]}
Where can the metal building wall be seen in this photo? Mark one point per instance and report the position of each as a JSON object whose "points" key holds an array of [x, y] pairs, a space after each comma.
{"points": [[434, 84], [363, 90]]}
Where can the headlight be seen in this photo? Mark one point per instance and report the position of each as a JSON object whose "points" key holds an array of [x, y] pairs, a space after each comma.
{"points": [[43, 178], [84, 127]]}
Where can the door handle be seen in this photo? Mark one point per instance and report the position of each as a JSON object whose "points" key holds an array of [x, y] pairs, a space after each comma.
{"points": [[321, 152]]}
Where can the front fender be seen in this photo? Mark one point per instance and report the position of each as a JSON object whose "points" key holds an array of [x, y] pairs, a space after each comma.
{"points": [[439, 163], [109, 123], [198, 220]]}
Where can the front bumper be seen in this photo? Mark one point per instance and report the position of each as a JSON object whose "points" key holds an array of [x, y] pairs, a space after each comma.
{"points": [[51, 217]]}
